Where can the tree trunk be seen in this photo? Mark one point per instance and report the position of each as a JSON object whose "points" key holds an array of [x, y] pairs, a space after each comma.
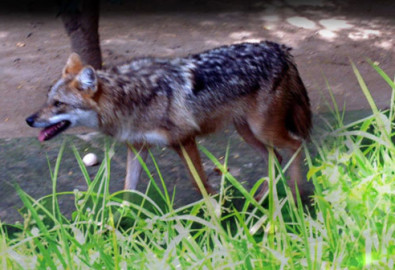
{"points": [[81, 21]]}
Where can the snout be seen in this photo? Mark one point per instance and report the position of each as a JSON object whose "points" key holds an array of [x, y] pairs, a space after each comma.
{"points": [[31, 119]]}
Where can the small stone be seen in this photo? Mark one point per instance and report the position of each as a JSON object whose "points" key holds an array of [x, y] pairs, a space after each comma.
{"points": [[90, 159]]}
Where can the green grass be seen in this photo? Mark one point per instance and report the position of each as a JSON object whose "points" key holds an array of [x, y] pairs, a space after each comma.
{"points": [[349, 225]]}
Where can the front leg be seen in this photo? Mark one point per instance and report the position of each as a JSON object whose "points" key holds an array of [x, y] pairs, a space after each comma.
{"points": [[193, 154], [133, 166]]}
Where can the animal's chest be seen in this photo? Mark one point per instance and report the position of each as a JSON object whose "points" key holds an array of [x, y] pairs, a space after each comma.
{"points": [[152, 137]]}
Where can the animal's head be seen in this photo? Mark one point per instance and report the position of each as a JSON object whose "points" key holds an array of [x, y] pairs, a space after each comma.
{"points": [[70, 101]]}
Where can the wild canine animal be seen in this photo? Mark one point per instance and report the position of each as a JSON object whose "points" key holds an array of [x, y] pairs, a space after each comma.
{"points": [[155, 101]]}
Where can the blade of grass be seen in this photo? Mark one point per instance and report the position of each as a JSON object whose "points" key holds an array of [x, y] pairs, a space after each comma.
{"points": [[166, 193], [199, 183], [55, 205], [335, 107], [81, 165], [368, 136], [47, 259], [391, 84], [371, 102], [232, 180], [382, 73]]}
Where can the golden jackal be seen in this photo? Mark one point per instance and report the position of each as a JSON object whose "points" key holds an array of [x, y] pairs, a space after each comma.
{"points": [[151, 101]]}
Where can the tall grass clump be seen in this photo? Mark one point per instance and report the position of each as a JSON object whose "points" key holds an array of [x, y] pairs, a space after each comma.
{"points": [[354, 179], [349, 224]]}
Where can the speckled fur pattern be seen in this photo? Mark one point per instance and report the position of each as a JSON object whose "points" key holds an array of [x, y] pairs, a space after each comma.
{"points": [[198, 94], [170, 101]]}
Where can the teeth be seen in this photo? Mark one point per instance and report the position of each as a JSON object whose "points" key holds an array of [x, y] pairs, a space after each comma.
{"points": [[53, 130]]}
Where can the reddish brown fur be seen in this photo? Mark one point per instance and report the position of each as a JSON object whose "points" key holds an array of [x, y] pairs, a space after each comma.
{"points": [[73, 66], [270, 108]]}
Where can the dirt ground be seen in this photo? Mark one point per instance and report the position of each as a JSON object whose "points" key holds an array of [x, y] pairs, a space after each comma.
{"points": [[325, 36]]}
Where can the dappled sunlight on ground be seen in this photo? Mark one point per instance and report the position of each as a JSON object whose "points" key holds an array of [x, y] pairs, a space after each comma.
{"points": [[364, 34], [3, 34], [335, 24], [385, 44], [327, 34], [240, 35], [324, 36], [302, 22]]}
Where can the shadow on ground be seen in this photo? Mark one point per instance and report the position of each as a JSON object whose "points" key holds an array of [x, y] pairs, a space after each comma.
{"points": [[26, 163]]}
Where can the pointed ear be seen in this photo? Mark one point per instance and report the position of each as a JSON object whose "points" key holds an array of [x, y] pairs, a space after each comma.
{"points": [[87, 79], [73, 65]]}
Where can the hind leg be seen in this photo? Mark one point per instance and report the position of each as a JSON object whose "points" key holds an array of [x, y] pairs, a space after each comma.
{"points": [[273, 132], [248, 136], [295, 174]]}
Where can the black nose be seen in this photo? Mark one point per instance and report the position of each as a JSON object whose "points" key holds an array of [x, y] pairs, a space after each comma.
{"points": [[30, 120]]}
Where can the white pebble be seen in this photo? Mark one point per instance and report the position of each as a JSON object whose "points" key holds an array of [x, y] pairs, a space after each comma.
{"points": [[90, 160]]}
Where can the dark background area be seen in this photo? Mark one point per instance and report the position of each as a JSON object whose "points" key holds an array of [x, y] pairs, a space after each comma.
{"points": [[384, 8]]}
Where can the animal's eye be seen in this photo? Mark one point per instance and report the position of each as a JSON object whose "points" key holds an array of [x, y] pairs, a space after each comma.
{"points": [[57, 103]]}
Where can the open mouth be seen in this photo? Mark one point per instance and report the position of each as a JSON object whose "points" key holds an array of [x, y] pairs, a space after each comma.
{"points": [[53, 130]]}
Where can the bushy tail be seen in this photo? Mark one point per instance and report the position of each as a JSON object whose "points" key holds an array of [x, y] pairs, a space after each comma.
{"points": [[298, 119]]}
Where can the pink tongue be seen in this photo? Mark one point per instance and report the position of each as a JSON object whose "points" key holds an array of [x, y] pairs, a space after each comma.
{"points": [[46, 133], [42, 135]]}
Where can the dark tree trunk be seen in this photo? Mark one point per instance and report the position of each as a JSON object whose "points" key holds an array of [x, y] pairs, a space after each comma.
{"points": [[81, 21]]}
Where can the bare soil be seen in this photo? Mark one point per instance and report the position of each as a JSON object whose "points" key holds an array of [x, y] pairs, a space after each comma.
{"points": [[325, 36]]}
